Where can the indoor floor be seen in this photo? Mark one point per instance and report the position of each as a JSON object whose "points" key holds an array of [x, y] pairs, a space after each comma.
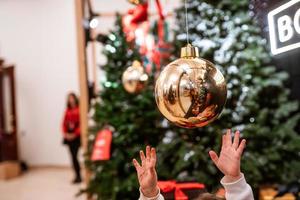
{"points": [[37, 184]]}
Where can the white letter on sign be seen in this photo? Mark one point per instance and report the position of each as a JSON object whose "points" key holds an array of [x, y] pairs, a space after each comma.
{"points": [[297, 21], [285, 29]]}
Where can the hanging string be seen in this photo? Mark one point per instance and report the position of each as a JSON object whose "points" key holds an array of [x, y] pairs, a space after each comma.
{"points": [[186, 23]]}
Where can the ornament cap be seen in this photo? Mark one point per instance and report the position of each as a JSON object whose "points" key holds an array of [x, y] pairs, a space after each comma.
{"points": [[189, 51]]}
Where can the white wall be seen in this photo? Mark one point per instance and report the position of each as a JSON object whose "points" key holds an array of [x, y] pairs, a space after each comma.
{"points": [[39, 37]]}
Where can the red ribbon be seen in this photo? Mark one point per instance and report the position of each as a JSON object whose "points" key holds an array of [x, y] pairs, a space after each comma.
{"points": [[160, 11], [160, 23], [169, 186], [156, 55]]}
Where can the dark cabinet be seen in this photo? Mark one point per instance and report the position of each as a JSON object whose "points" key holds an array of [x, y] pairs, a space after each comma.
{"points": [[8, 123]]}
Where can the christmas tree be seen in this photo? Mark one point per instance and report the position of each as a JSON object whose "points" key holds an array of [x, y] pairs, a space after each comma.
{"points": [[257, 105], [133, 116]]}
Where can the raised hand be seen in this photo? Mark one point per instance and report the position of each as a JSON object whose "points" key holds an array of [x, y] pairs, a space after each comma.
{"points": [[228, 162], [146, 172]]}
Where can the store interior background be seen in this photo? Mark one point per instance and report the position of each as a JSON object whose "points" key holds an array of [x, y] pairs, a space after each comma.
{"points": [[39, 37]]}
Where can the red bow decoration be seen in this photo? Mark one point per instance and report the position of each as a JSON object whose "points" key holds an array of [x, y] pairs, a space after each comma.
{"points": [[136, 26], [133, 18], [169, 186]]}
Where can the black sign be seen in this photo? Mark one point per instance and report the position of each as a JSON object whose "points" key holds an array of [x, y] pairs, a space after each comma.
{"points": [[284, 27]]}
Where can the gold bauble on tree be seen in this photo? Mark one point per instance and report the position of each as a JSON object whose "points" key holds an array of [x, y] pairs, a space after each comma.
{"points": [[134, 78], [190, 91]]}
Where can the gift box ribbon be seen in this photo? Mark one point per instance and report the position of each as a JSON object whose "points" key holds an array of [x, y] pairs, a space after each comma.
{"points": [[169, 186]]}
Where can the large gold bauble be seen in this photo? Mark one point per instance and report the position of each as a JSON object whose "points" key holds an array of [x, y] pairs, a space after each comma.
{"points": [[134, 78], [190, 91]]}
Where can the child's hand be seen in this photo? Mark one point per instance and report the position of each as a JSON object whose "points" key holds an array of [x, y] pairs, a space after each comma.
{"points": [[230, 157], [146, 173]]}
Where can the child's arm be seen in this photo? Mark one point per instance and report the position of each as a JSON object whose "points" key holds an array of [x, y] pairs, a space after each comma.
{"points": [[229, 164], [147, 175], [238, 189]]}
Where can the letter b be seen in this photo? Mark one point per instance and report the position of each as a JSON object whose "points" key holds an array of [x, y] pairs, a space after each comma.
{"points": [[285, 29]]}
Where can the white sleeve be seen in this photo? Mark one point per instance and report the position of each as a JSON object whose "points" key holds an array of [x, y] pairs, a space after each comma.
{"points": [[238, 190], [157, 197]]}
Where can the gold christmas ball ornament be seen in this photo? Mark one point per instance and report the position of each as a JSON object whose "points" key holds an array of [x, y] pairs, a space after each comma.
{"points": [[134, 78], [190, 92]]}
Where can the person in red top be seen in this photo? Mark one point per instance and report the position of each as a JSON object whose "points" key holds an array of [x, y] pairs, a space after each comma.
{"points": [[71, 132]]}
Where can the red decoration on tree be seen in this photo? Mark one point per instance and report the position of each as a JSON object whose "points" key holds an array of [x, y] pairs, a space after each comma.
{"points": [[140, 13], [101, 150], [133, 18], [137, 29]]}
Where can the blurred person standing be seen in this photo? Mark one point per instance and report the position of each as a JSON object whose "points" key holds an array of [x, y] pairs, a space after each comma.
{"points": [[71, 132]]}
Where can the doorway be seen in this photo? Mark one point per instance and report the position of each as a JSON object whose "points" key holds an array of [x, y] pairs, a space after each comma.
{"points": [[8, 123]]}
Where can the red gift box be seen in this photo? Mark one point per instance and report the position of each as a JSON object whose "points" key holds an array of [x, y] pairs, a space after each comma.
{"points": [[171, 190]]}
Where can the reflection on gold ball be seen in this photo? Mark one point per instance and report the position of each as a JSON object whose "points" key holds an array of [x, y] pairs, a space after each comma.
{"points": [[190, 91], [134, 78]]}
